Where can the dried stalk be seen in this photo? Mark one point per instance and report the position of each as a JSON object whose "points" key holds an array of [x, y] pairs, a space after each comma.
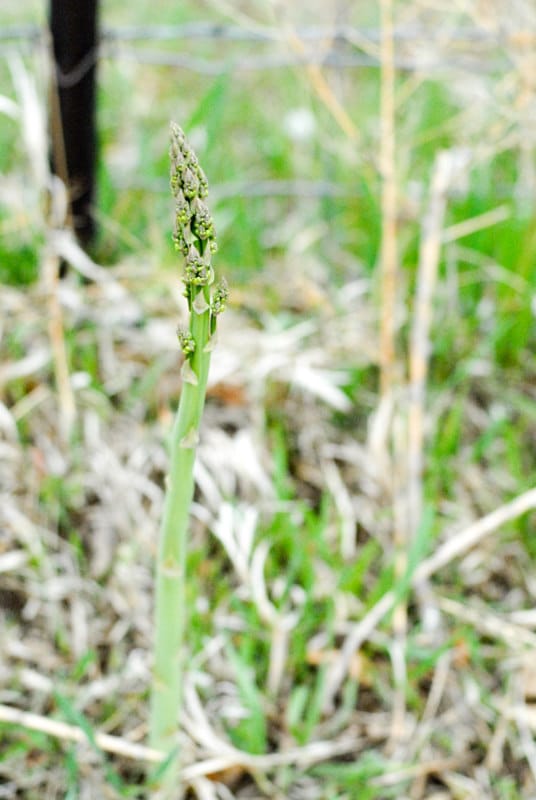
{"points": [[308, 754], [56, 333], [419, 354], [389, 250], [388, 367]]}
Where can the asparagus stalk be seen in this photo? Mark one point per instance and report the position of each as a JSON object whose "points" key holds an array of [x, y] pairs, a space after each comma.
{"points": [[194, 237]]}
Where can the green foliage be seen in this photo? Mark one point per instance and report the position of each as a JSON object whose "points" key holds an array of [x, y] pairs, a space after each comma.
{"points": [[250, 733], [356, 777], [18, 263], [506, 789], [74, 717]]}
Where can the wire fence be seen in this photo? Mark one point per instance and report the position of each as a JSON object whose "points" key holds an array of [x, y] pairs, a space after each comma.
{"points": [[340, 47], [212, 49]]}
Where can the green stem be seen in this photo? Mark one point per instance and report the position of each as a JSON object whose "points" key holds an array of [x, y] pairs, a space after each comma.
{"points": [[170, 606]]}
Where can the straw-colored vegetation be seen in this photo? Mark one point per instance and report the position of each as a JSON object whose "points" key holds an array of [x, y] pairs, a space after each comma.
{"points": [[361, 573]]}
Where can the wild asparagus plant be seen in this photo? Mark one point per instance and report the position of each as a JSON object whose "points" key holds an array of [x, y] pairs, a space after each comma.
{"points": [[195, 238]]}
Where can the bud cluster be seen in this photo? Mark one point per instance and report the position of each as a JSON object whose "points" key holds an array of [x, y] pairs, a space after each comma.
{"points": [[194, 233], [186, 341], [220, 297], [195, 237], [198, 269]]}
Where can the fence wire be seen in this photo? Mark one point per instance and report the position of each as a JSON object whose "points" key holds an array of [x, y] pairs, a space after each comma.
{"points": [[340, 48], [212, 49]]}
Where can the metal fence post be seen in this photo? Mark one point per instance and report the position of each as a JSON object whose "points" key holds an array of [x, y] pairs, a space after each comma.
{"points": [[73, 27]]}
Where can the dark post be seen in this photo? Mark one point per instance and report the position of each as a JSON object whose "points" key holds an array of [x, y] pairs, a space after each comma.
{"points": [[73, 27]]}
